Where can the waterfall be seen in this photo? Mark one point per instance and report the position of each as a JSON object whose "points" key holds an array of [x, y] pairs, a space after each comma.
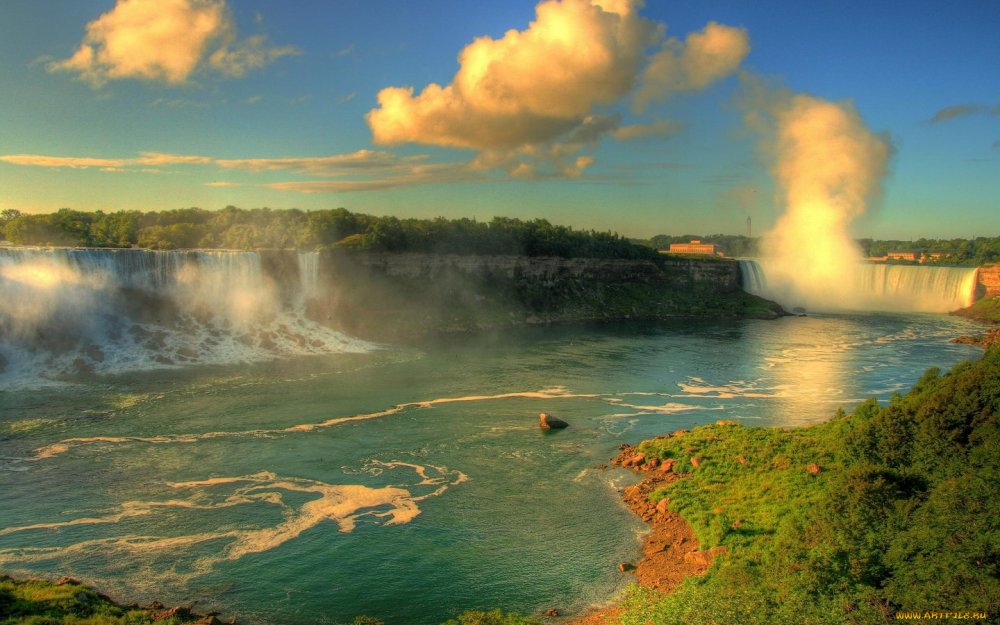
{"points": [[67, 312], [752, 277], [909, 288], [933, 289], [308, 276]]}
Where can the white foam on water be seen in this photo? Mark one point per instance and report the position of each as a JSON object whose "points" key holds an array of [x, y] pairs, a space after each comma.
{"points": [[342, 504], [697, 387], [666, 408], [62, 446]]}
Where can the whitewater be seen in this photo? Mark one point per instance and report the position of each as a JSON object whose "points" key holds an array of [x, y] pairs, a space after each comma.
{"points": [[872, 287], [71, 312]]}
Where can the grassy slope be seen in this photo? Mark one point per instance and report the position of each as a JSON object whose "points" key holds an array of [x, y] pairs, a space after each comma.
{"points": [[986, 310], [900, 517], [36, 602]]}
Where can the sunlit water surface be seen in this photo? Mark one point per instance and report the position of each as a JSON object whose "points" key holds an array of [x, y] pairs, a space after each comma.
{"points": [[406, 483]]}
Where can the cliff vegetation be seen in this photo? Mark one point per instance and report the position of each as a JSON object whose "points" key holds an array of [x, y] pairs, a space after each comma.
{"points": [[401, 297], [68, 602], [986, 310], [883, 514]]}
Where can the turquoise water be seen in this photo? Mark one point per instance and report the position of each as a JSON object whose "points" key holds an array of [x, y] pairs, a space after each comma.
{"points": [[406, 483]]}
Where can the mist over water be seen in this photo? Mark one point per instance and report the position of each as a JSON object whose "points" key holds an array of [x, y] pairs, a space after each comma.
{"points": [[828, 166], [72, 312]]}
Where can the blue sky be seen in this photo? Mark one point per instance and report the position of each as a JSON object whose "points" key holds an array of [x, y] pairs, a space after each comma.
{"points": [[278, 105]]}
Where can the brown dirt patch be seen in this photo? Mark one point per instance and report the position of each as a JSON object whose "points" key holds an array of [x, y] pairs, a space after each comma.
{"points": [[670, 551]]}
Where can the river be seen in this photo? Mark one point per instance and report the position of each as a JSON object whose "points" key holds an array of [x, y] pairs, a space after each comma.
{"points": [[408, 483]]}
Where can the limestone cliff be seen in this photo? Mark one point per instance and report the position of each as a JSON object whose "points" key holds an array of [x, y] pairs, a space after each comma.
{"points": [[397, 297]]}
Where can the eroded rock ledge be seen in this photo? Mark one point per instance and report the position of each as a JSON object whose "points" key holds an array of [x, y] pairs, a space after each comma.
{"points": [[670, 552]]}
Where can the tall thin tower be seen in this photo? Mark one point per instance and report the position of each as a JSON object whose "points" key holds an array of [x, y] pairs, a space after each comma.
{"points": [[748, 227]]}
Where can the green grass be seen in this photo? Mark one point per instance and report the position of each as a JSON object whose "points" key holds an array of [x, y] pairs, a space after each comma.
{"points": [[39, 602], [986, 309], [901, 515], [493, 617]]}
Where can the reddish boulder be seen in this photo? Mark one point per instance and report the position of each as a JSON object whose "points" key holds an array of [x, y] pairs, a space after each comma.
{"points": [[548, 422], [634, 460]]}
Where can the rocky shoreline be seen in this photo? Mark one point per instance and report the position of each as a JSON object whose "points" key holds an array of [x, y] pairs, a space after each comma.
{"points": [[985, 340], [670, 552]]}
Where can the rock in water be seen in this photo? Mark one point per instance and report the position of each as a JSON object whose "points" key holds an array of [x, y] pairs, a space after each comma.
{"points": [[548, 422]]}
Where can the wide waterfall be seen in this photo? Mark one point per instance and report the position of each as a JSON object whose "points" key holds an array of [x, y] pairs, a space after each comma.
{"points": [[71, 312], [881, 287]]}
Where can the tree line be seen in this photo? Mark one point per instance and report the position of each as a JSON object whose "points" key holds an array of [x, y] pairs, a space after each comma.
{"points": [[966, 252], [971, 252], [264, 228]]}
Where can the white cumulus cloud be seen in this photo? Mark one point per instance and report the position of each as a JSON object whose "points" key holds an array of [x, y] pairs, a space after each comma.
{"points": [[532, 100], [529, 86], [704, 58], [165, 40]]}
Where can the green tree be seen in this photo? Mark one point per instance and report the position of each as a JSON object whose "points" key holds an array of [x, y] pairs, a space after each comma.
{"points": [[7, 215], [118, 229], [174, 236]]}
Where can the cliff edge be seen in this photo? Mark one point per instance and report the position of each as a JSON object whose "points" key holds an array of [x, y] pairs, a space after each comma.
{"points": [[406, 296]]}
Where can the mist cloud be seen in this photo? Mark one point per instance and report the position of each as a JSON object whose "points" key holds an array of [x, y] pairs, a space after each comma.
{"points": [[829, 166], [166, 40]]}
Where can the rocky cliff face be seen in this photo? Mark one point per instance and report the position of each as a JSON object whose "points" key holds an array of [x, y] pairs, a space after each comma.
{"points": [[720, 273], [397, 297], [989, 280]]}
